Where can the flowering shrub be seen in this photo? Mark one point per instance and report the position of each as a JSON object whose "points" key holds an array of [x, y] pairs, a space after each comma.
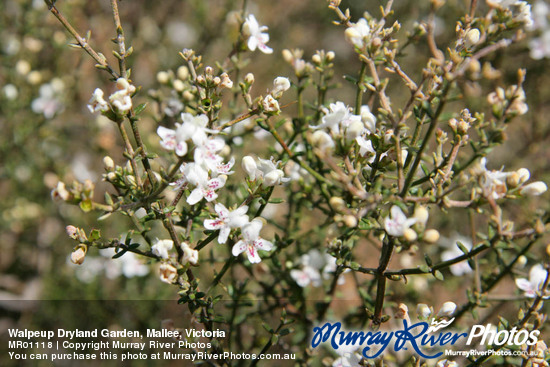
{"points": [[264, 201]]}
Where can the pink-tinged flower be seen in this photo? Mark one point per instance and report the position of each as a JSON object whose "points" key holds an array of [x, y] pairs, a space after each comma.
{"points": [[226, 220], [205, 187], [193, 128], [97, 103], [257, 38], [530, 287], [207, 156], [252, 242], [398, 223]]}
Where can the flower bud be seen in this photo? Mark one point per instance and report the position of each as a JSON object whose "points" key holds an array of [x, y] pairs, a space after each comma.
{"points": [[60, 192], [447, 309], [183, 72], [421, 214], [472, 37], [423, 311], [217, 80], [226, 82], [163, 77], [208, 70], [513, 179], [72, 231], [178, 85], [534, 189], [78, 255], [402, 312], [522, 261], [249, 166], [111, 176], [108, 163], [350, 221], [523, 174], [337, 203], [410, 235], [249, 78], [330, 55], [431, 236], [287, 55], [280, 85], [316, 59]]}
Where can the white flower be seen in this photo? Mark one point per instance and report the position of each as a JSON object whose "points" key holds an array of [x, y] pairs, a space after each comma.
{"points": [[252, 242], [493, 183], [250, 167], [530, 287], [540, 46], [365, 146], [122, 98], [270, 104], [190, 255], [534, 189], [280, 85], [423, 311], [315, 267], [97, 103], [271, 174], [322, 140], [358, 32], [257, 38], [447, 309], [49, 101], [453, 251], [226, 220], [368, 119], [193, 128], [337, 116], [168, 273], [305, 276], [205, 187], [265, 169], [161, 248], [207, 156], [398, 222]]}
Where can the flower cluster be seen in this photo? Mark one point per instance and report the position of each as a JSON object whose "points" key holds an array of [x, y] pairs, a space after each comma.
{"points": [[315, 267], [497, 184], [120, 101]]}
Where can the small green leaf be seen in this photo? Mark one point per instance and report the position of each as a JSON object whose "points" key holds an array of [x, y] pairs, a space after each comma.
{"points": [[139, 109], [438, 275], [119, 254]]}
